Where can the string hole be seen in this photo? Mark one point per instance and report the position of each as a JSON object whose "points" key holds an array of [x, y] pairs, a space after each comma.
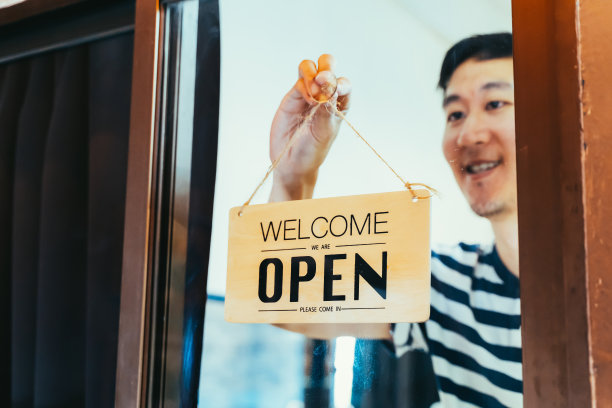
{"points": [[415, 199]]}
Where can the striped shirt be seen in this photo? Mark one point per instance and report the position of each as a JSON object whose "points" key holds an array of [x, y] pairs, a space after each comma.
{"points": [[474, 332]]}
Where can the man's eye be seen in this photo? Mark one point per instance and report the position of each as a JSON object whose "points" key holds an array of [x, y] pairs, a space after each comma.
{"points": [[494, 105], [454, 116]]}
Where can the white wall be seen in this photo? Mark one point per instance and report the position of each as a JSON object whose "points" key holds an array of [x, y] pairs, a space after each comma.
{"points": [[391, 51]]}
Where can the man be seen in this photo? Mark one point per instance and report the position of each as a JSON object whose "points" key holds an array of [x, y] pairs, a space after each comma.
{"points": [[473, 334]]}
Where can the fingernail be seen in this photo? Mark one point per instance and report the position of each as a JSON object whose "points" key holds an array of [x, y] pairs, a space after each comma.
{"points": [[324, 77]]}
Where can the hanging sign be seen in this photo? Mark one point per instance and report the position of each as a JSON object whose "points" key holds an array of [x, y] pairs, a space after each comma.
{"points": [[352, 259]]}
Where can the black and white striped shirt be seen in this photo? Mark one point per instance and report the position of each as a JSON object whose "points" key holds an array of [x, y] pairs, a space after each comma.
{"points": [[474, 331]]}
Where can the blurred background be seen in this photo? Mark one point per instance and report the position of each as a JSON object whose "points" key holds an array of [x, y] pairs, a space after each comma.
{"points": [[391, 50]]}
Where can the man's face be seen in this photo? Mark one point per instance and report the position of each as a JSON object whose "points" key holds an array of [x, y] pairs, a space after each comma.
{"points": [[479, 136]]}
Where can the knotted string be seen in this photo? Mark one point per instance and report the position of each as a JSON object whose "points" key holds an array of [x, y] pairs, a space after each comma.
{"points": [[341, 115], [408, 185]]}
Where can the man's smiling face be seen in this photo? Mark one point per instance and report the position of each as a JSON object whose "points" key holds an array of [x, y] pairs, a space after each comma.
{"points": [[479, 136]]}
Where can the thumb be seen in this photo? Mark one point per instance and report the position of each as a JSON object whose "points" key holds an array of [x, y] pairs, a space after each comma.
{"points": [[327, 84]]}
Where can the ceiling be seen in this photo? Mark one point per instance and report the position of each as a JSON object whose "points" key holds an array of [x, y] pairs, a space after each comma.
{"points": [[476, 16]]}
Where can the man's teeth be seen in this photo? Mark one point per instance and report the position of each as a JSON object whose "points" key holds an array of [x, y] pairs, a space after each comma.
{"points": [[479, 168]]}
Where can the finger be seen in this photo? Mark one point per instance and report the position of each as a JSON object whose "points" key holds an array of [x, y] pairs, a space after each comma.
{"points": [[297, 99], [328, 85], [344, 86], [306, 94], [326, 62], [326, 78], [343, 103], [344, 94], [308, 71]]}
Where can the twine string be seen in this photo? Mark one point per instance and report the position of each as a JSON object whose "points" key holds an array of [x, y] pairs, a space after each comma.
{"points": [[288, 146], [407, 184], [341, 115]]}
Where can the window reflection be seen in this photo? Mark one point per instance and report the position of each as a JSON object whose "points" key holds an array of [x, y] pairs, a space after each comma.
{"points": [[260, 365], [250, 365]]}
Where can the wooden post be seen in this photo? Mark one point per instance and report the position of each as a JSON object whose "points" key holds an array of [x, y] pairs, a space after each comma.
{"points": [[596, 68], [562, 60], [135, 283]]}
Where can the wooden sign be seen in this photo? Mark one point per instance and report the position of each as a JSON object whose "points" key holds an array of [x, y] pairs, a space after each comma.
{"points": [[352, 259]]}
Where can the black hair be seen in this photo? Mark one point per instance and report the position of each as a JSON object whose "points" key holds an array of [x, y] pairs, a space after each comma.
{"points": [[481, 47]]}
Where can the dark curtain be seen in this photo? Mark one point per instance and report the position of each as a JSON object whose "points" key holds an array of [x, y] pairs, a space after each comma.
{"points": [[64, 125]]}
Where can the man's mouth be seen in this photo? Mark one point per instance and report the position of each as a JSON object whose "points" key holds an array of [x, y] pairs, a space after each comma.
{"points": [[481, 167]]}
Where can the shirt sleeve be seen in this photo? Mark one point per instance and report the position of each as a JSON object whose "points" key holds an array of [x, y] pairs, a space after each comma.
{"points": [[407, 337]]}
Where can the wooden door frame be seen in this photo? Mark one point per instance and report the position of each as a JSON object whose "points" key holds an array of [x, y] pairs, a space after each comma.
{"points": [[132, 356], [30, 8], [561, 62], [557, 353], [551, 228]]}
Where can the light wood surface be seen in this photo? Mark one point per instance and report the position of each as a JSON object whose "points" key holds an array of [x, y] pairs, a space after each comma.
{"points": [[362, 230]]}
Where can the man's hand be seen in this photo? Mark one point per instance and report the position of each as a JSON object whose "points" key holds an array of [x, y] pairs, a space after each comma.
{"points": [[296, 173]]}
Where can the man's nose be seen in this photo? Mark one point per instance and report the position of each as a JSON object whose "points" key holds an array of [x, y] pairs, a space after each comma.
{"points": [[474, 131]]}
